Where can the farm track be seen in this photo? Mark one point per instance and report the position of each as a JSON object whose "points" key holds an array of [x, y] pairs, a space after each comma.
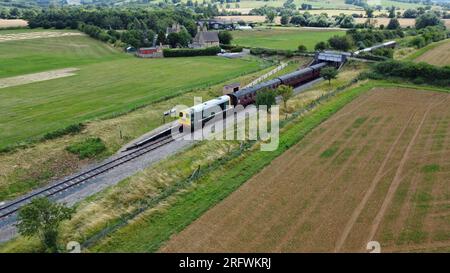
{"points": [[10, 209], [303, 201]]}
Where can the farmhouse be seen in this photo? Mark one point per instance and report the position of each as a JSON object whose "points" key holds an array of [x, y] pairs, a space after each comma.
{"points": [[205, 38]]}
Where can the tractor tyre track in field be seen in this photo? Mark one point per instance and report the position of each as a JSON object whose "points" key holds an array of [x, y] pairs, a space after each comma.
{"points": [[396, 181], [340, 242], [326, 190], [407, 206]]}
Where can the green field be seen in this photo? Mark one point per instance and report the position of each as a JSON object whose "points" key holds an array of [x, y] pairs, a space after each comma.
{"points": [[29, 56], [107, 83], [283, 38]]}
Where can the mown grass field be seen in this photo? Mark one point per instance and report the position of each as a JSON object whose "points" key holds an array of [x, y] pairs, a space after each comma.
{"points": [[282, 38], [107, 83], [35, 55]]}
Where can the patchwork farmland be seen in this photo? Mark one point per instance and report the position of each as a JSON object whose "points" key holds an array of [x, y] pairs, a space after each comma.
{"points": [[377, 170]]}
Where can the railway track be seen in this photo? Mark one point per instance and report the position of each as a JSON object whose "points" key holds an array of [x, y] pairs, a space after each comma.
{"points": [[10, 208]]}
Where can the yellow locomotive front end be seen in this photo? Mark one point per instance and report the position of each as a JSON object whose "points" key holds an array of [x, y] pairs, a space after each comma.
{"points": [[185, 117]]}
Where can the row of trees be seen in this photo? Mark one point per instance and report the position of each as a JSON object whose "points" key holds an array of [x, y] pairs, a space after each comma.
{"points": [[156, 20], [417, 72]]}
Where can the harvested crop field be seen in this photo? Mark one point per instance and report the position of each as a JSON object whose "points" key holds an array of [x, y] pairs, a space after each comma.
{"points": [[439, 55], [12, 23], [377, 170], [36, 35], [404, 22]]}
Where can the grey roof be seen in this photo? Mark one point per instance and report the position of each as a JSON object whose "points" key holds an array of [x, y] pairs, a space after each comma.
{"points": [[295, 74], [209, 36], [251, 89]]}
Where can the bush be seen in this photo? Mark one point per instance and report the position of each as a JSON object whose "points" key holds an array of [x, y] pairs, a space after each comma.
{"points": [[231, 48], [342, 43], [225, 37], [321, 46], [236, 49], [384, 52], [301, 48], [210, 51], [270, 52], [87, 148], [418, 42], [72, 129], [414, 71]]}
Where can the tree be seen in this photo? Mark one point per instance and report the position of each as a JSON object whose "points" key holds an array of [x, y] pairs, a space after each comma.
{"points": [[410, 13], [393, 24], [321, 46], [265, 97], [428, 19], [42, 218], [329, 73], [180, 39], [286, 92], [225, 37], [284, 20], [342, 43], [270, 16], [369, 12], [298, 20], [391, 12], [301, 48]]}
